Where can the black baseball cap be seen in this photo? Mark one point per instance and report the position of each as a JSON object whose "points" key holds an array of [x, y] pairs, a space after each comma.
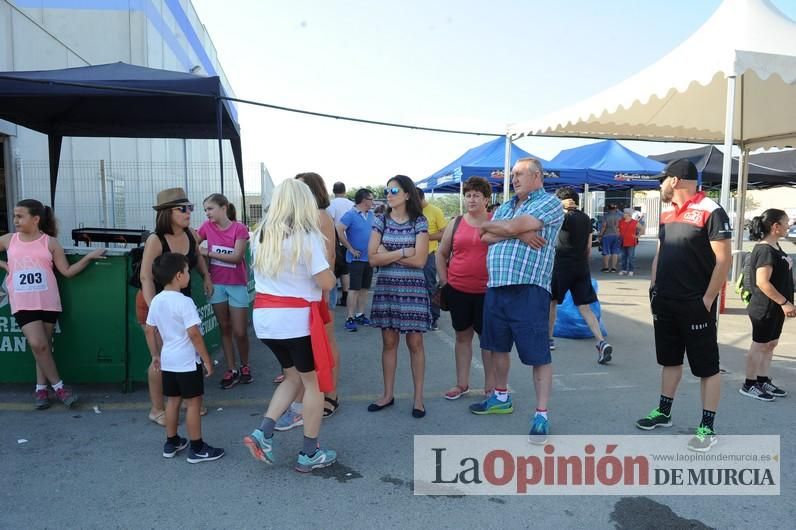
{"points": [[681, 168]]}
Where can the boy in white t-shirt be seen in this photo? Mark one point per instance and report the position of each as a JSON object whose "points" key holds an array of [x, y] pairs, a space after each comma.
{"points": [[174, 316]]}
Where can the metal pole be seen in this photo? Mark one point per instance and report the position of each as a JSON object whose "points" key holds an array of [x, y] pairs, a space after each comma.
{"points": [[507, 169], [219, 109], [104, 192], [587, 200], [726, 170], [461, 196], [740, 210]]}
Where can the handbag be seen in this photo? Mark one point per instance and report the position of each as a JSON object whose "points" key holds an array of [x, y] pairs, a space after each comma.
{"points": [[438, 298]]}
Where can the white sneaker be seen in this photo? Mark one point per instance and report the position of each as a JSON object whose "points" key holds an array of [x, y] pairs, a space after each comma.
{"points": [[630, 273], [622, 273]]}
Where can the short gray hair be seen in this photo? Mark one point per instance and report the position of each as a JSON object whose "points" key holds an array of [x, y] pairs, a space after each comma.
{"points": [[533, 161]]}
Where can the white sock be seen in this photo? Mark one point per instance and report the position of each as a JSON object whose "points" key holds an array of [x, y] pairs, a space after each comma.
{"points": [[542, 413], [502, 395], [41, 387], [58, 386], [298, 408]]}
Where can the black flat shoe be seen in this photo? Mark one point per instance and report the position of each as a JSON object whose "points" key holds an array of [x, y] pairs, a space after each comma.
{"points": [[417, 413], [375, 407]]}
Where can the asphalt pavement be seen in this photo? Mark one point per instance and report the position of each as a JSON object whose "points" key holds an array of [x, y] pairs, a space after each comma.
{"points": [[99, 465]]}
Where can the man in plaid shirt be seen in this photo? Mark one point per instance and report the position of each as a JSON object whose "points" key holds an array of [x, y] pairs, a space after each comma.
{"points": [[521, 238]]}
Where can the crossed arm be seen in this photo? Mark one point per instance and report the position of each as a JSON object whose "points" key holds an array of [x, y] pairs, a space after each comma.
{"points": [[523, 227]]}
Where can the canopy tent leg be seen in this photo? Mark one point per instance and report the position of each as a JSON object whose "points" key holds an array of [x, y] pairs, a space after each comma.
{"points": [[587, 200], [507, 169], [740, 210], [54, 148], [729, 123], [219, 128], [461, 197]]}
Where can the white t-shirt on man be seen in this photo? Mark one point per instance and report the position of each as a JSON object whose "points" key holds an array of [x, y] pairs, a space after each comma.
{"points": [[173, 313], [338, 207], [277, 323]]}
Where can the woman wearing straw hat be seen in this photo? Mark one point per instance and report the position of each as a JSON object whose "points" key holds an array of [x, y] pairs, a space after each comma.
{"points": [[172, 234]]}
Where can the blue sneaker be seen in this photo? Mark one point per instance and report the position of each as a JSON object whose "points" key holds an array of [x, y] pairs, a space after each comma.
{"points": [[206, 454], [362, 320], [350, 324], [540, 428], [170, 450], [321, 458], [290, 419], [259, 446], [492, 405]]}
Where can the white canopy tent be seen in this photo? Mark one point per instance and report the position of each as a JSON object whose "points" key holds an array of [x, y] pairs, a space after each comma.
{"points": [[732, 82]]}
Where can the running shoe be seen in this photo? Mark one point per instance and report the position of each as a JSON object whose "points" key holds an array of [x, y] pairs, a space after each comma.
{"points": [[540, 428], [230, 379], [552, 344], [773, 389], [170, 449], [350, 324], [434, 325], [630, 273], [290, 419], [66, 396], [604, 351], [321, 458], [756, 391], [362, 320], [492, 405], [246, 375], [703, 440], [206, 454], [42, 399], [654, 419], [622, 273], [612, 270], [260, 447]]}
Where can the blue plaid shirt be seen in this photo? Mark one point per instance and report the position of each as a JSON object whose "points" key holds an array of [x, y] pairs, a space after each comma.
{"points": [[512, 262]]}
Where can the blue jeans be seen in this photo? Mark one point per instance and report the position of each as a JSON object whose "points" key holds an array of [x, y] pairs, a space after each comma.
{"points": [[430, 270], [628, 253]]}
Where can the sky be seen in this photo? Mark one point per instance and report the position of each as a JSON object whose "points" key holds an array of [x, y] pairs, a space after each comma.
{"points": [[464, 64]]}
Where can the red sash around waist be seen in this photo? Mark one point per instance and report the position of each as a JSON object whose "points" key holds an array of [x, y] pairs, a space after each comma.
{"points": [[319, 316]]}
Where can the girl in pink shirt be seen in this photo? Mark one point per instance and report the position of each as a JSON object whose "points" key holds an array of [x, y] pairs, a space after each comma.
{"points": [[32, 288], [226, 247]]}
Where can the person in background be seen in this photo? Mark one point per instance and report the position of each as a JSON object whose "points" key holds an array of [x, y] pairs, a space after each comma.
{"points": [[337, 208], [353, 231], [399, 247], [436, 227], [571, 271], [226, 247], [33, 254], [629, 230], [461, 264], [770, 271], [609, 238], [291, 274], [173, 233], [688, 272]]}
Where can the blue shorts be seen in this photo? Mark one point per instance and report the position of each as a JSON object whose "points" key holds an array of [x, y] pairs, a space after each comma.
{"points": [[611, 245], [234, 295], [518, 314]]}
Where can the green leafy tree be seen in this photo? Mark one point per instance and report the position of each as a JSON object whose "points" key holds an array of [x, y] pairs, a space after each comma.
{"points": [[448, 203]]}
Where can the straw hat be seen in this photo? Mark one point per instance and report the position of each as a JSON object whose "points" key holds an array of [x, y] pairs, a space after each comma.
{"points": [[171, 197]]}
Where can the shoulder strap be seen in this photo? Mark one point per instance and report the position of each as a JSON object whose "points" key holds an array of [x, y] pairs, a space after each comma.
{"points": [[453, 234], [164, 245]]}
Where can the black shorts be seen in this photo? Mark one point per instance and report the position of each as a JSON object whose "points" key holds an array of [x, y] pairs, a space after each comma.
{"points": [[340, 266], [184, 384], [685, 326], [575, 280], [24, 318], [767, 329], [467, 309], [361, 275], [291, 353]]}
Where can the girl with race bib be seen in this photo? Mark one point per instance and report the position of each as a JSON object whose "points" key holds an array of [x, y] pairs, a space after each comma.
{"points": [[226, 246], [33, 250]]}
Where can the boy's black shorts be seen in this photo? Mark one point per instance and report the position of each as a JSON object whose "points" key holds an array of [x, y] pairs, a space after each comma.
{"points": [[184, 384], [686, 327]]}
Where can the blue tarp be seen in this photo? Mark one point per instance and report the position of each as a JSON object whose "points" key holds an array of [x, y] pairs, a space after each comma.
{"points": [[607, 165]]}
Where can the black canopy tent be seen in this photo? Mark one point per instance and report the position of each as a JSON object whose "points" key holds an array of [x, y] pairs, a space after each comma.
{"points": [[119, 100], [709, 160]]}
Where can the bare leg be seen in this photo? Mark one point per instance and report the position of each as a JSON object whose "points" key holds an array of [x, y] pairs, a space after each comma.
{"points": [[670, 379], [614, 260], [335, 350], [225, 325], [768, 355], [591, 321], [193, 417], [173, 417], [543, 383], [502, 363], [389, 362], [351, 302], [754, 359], [417, 354], [155, 381], [552, 324], [487, 357], [240, 323], [464, 356], [362, 297], [313, 404], [284, 394], [40, 344]]}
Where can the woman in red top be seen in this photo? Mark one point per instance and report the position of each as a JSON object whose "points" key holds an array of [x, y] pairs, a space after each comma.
{"points": [[461, 265], [629, 230]]}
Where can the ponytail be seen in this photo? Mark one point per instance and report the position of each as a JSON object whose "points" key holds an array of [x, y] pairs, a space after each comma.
{"points": [[231, 212], [47, 222], [221, 200], [760, 225]]}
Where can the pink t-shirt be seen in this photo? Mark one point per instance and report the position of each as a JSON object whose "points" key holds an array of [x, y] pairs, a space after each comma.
{"points": [[223, 241], [31, 282]]}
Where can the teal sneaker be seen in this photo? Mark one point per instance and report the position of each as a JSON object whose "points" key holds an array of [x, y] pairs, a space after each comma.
{"points": [[321, 458], [260, 447], [703, 440], [540, 428], [492, 405]]}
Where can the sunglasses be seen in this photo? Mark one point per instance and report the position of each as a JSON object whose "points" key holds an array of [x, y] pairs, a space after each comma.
{"points": [[391, 191], [185, 208]]}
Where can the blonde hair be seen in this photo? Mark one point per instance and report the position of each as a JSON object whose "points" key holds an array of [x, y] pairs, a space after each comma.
{"points": [[293, 212]]}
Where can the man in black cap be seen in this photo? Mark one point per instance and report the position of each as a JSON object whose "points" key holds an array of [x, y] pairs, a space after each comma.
{"points": [[688, 272]]}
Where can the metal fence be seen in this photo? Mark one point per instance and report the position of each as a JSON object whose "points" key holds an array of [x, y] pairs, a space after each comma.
{"points": [[120, 194]]}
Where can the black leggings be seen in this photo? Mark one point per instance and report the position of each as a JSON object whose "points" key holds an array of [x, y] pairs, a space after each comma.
{"points": [[293, 352]]}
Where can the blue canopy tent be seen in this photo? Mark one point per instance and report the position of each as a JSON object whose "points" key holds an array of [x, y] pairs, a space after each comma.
{"points": [[607, 165]]}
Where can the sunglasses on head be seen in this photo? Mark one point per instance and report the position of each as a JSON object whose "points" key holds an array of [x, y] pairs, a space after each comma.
{"points": [[392, 191], [185, 208]]}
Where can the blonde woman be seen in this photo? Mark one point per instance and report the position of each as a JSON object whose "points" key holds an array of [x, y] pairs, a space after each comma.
{"points": [[290, 274]]}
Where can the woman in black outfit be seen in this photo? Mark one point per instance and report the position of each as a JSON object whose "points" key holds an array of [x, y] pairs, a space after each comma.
{"points": [[770, 273]]}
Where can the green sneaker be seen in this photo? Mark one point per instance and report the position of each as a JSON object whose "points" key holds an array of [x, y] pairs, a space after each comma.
{"points": [[492, 405], [703, 440], [656, 418]]}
